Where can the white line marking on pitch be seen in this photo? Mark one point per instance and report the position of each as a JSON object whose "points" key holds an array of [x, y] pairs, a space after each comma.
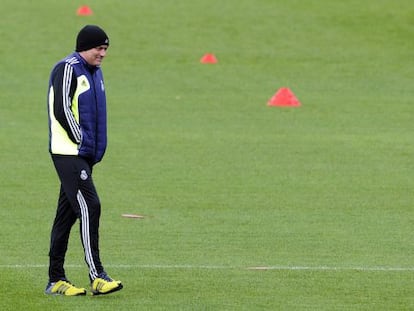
{"points": [[217, 267], [327, 268]]}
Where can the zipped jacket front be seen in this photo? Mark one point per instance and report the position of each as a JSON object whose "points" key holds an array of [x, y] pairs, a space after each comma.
{"points": [[77, 109]]}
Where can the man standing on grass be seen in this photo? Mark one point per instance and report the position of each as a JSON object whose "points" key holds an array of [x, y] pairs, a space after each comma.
{"points": [[77, 141]]}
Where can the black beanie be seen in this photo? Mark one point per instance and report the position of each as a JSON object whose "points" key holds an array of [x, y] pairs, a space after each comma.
{"points": [[90, 37]]}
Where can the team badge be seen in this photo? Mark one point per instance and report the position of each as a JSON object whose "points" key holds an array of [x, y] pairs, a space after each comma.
{"points": [[83, 175]]}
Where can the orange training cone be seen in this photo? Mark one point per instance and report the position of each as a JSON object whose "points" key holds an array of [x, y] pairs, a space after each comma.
{"points": [[284, 97], [84, 10], [209, 59]]}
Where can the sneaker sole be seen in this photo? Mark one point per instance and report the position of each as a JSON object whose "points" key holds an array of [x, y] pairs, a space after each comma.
{"points": [[57, 294], [109, 292]]}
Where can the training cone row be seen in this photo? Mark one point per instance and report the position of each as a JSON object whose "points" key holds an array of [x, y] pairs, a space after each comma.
{"points": [[84, 10], [284, 97]]}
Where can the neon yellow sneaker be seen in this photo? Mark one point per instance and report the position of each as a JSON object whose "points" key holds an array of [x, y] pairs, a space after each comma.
{"points": [[103, 285], [64, 287]]}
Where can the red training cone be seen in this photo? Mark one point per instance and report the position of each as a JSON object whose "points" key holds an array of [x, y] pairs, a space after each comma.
{"points": [[284, 97], [84, 10], [209, 59]]}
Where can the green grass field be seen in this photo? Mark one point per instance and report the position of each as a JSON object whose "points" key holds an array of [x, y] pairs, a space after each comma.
{"points": [[320, 195]]}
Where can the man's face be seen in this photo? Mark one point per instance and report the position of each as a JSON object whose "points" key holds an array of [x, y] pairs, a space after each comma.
{"points": [[95, 56]]}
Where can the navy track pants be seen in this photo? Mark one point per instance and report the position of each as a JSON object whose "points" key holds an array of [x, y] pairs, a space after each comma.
{"points": [[78, 199]]}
